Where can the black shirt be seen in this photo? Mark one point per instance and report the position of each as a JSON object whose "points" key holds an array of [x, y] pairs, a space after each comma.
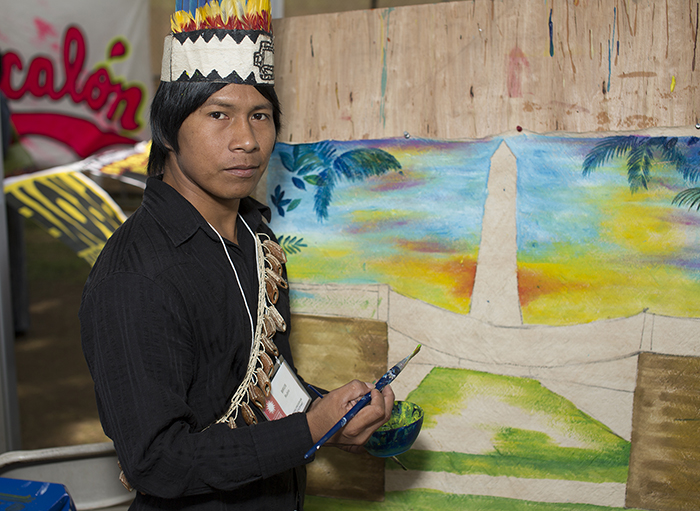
{"points": [[167, 339]]}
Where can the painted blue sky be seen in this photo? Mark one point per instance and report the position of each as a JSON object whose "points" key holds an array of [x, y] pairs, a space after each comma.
{"points": [[417, 228], [589, 248]]}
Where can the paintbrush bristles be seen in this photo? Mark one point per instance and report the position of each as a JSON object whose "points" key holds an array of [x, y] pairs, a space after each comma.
{"points": [[405, 361]]}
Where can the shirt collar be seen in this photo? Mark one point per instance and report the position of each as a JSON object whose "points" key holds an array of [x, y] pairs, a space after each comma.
{"points": [[180, 219]]}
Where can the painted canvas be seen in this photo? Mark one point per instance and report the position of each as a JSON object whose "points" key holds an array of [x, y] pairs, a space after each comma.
{"points": [[534, 411]]}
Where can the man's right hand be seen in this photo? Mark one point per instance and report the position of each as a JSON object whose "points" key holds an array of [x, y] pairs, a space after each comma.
{"points": [[325, 413]]}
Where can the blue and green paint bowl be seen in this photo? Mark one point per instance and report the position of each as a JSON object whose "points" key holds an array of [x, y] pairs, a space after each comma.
{"points": [[398, 434]]}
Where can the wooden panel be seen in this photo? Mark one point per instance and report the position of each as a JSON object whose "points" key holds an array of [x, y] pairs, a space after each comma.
{"points": [[473, 69], [330, 352], [664, 471], [307, 7]]}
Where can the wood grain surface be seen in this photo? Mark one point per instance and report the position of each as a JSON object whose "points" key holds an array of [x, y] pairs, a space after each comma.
{"points": [[474, 69]]}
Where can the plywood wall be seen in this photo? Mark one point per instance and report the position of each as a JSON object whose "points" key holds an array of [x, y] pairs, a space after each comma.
{"points": [[476, 68], [307, 7]]}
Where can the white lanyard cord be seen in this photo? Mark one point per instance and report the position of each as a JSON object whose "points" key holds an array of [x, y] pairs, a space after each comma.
{"points": [[238, 280], [256, 347]]}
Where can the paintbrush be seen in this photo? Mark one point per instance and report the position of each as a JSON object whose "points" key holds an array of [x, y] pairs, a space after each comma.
{"points": [[385, 380]]}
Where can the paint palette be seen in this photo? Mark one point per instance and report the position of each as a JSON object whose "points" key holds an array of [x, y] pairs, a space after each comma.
{"points": [[398, 434]]}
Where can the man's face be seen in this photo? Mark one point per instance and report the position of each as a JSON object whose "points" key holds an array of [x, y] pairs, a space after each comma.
{"points": [[225, 146]]}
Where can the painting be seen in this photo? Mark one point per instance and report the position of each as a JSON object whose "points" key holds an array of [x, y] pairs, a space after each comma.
{"points": [[331, 352], [594, 237], [664, 459]]}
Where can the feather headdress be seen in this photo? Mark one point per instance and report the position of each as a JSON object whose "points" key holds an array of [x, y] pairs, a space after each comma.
{"points": [[220, 41]]}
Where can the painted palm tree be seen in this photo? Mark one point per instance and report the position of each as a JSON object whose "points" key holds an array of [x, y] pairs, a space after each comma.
{"points": [[643, 153], [321, 166], [689, 198]]}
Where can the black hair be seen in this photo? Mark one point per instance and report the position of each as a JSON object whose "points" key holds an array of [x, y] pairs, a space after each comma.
{"points": [[174, 102]]}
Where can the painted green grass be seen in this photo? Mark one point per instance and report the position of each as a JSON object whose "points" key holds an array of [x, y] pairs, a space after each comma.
{"points": [[429, 500], [592, 471], [518, 452]]}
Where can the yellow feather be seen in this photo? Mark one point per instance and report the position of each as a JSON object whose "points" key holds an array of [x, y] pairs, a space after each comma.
{"points": [[234, 9], [212, 10], [227, 10], [217, 10], [200, 16], [179, 20]]}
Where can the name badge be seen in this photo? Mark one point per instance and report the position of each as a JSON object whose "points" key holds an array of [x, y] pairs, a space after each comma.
{"points": [[288, 395]]}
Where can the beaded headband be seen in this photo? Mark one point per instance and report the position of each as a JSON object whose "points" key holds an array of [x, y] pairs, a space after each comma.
{"points": [[227, 41]]}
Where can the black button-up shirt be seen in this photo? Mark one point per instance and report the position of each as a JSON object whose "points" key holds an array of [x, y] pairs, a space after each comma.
{"points": [[167, 339]]}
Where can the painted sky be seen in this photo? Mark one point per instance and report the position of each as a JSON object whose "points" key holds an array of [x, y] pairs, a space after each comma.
{"points": [[589, 248], [416, 229]]}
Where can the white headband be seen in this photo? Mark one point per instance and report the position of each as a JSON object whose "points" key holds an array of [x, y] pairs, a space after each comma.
{"points": [[218, 55]]}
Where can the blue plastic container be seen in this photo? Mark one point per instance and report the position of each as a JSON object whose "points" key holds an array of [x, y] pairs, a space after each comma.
{"points": [[19, 495]]}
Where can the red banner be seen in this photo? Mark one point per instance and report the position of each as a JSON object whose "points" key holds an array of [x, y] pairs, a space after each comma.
{"points": [[76, 75]]}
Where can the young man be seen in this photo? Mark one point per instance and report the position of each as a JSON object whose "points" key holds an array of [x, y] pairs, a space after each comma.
{"points": [[187, 307]]}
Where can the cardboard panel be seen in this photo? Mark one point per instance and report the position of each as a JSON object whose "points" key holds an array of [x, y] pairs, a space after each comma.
{"points": [[330, 352], [664, 471]]}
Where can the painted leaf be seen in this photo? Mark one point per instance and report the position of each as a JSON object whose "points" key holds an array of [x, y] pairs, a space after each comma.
{"points": [[313, 180], [689, 198], [291, 244], [324, 194], [287, 161], [607, 148], [362, 163]]}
